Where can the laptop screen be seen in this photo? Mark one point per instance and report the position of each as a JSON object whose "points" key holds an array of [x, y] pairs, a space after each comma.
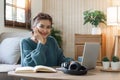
{"points": [[90, 54]]}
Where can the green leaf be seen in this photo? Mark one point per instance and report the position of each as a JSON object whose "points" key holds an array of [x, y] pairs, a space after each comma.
{"points": [[115, 59], [57, 35], [94, 17], [105, 59]]}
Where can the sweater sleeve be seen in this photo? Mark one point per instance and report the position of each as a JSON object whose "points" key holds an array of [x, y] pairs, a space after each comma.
{"points": [[30, 56], [60, 56]]}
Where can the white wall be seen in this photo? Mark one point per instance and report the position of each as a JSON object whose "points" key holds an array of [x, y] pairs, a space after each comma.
{"points": [[1, 13], [36, 6], [68, 17]]}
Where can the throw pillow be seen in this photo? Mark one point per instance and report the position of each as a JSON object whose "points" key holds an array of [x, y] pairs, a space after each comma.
{"points": [[10, 50]]}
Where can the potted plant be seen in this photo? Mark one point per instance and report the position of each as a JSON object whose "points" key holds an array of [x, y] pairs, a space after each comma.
{"points": [[57, 35], [115, 64], [106, 62], [94, 17]]}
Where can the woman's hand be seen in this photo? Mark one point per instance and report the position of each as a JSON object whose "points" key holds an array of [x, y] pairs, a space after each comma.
{"points": [[38, 36]]}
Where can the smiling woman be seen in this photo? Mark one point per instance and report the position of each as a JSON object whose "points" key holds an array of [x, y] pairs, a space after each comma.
{"points": [[17, 13], [41, 48]]}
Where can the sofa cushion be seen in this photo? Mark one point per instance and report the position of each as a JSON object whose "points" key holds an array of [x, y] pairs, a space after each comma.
{"points": [[10, 50], [5, 35], [4, 69]]}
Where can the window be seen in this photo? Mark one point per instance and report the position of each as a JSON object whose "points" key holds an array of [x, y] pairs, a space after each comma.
{"points": [[17, 13]]}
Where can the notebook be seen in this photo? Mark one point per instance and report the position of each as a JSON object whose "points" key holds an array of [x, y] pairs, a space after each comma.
{"points": [[90, 54]]}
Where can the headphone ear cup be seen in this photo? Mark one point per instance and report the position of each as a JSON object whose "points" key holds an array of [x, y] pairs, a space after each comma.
{"points": [[74, 66], [65, 65]]}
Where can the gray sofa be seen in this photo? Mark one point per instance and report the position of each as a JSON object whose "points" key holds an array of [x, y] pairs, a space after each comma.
{"points": [[10, 52]]}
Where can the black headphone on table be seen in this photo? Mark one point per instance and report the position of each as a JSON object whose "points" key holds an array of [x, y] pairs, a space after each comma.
{"points": [[74, 68]]}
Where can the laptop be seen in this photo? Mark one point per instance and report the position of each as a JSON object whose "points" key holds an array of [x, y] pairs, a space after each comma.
{"points": [[90, 54]]}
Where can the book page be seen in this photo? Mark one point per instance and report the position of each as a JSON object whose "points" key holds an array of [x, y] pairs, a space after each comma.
{"points": [[24, 69], [42, 68]]}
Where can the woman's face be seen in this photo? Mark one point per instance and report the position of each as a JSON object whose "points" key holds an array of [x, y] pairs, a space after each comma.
{"points": [[44, 27]]}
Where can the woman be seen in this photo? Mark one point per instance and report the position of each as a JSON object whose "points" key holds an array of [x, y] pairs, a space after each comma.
{"points": [[41, 48]]}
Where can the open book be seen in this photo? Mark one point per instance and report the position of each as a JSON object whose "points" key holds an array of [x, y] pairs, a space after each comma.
{"points": [[39, 68]]}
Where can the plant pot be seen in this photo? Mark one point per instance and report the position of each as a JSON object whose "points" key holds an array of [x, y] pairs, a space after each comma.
{"points": [[106, 65], [96, 30], [115, 65]]}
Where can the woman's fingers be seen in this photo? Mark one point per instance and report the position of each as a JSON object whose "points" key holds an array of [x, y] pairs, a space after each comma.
{"points": [[38, 36]]}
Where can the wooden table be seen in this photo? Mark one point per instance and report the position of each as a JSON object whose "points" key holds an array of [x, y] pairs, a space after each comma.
{"points": [[95, 74]]}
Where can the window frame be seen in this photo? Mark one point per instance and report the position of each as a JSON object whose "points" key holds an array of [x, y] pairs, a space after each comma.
{"points": [[15, 24]]}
